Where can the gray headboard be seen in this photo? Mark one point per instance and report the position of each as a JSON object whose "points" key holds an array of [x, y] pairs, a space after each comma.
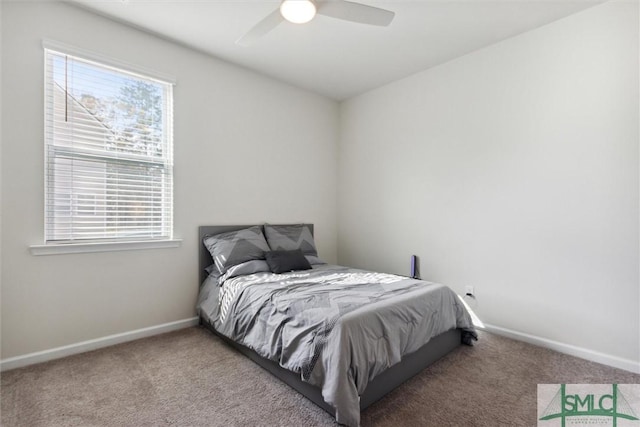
{"points": [[204, 257]]}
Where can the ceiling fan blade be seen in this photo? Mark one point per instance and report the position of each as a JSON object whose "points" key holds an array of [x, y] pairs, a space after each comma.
{"points": [[356, 12], [261, 28]]}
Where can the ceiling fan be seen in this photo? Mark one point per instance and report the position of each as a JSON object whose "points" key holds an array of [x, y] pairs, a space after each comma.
{"points": [[303, 11]]}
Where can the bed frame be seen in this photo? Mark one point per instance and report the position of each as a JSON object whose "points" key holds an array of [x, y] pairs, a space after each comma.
{"points": [[381, 385]]}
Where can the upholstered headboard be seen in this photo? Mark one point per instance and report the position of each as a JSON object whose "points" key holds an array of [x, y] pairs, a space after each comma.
{"points": [[204, 257]]}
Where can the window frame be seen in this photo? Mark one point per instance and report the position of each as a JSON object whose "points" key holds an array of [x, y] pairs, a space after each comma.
{"points": [[116, 243]]}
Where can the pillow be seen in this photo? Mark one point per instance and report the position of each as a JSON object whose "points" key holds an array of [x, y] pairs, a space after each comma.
{"points": [[314, 260], [235, 247], [249, 267], [290, 237], [284, 261]]}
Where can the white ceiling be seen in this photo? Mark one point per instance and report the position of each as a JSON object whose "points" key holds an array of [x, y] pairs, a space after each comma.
{"points": [[336, 58]]}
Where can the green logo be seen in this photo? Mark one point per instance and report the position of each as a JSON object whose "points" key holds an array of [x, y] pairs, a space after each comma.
{"points": [[590, 406]]}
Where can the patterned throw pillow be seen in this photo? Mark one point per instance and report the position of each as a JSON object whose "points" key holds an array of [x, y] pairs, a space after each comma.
{"points": [[249, 267], [235, 247], [290, 237]]}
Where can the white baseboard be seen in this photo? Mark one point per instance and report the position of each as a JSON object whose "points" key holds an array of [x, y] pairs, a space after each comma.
{"points": [[84, 346], [81, 347], [583, 353]]}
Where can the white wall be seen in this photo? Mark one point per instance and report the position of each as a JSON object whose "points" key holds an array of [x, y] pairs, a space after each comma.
{"points": [[513, 169], [248, 149], [523, 157]]}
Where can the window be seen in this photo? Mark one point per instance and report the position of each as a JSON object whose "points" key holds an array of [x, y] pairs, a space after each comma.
{"points": [[109, 153]]}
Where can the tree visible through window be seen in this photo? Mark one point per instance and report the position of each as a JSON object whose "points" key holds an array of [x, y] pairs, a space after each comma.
{"points": [[108, 153]]}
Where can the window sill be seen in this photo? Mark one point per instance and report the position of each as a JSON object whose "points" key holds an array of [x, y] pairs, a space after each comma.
{"points": [[77, 248]]}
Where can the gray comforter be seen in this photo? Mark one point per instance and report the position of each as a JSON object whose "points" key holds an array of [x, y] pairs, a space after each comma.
{"points": [[337, 327]]}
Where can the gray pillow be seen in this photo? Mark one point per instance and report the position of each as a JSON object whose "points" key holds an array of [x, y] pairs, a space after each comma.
{"points": [[249, 267], [284, 261], [314, 260], [291, 237], [235, 247]]}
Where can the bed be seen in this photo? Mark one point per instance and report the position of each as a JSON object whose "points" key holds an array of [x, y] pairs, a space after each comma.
{"points": [[342, 388]]}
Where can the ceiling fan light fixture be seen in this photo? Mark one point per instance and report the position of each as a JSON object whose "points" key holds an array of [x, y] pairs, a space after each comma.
{"points": [[298, 11]]}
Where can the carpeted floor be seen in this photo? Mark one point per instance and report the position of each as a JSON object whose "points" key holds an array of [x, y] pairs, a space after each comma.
{"points": [[191, 378]]}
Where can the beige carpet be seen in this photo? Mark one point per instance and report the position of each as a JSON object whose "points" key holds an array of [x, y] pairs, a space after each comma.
{"points": [[191, 378]]}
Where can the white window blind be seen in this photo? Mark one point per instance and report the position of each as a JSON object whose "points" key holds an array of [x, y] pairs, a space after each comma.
{"points": [[109, 153]]}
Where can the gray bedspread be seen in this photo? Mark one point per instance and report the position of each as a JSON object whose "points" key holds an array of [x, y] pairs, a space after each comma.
{"points": [[335, 326]]}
